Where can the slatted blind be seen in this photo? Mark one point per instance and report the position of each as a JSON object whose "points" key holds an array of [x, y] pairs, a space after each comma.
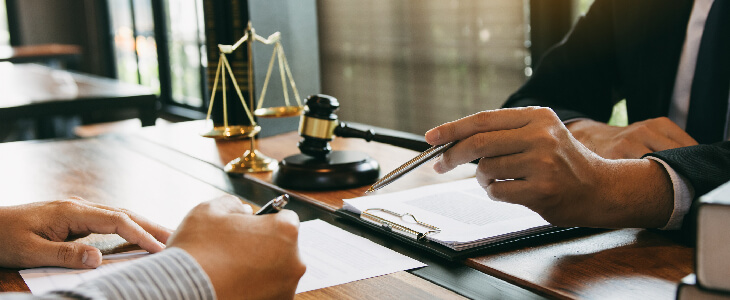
{"points": [[415, 64]]}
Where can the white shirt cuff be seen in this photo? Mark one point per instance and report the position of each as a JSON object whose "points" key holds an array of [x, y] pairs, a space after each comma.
{"points": [[683, 195]]}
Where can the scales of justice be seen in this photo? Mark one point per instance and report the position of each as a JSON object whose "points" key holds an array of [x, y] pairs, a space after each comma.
{"points": [[252, 160], [318, 167]]}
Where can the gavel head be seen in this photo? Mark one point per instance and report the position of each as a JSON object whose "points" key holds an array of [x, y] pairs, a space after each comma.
{"points": [[317, 125]]}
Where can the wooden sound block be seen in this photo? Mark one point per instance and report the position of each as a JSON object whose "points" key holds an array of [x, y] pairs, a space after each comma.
{"points": [[339, 170]]}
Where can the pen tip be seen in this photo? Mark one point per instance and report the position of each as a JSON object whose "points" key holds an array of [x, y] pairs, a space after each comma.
{"points": [[370, 190]]}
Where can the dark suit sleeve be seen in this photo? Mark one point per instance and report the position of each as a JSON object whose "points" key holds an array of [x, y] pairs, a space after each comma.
{"points": [[577, 77], [705, 166]]}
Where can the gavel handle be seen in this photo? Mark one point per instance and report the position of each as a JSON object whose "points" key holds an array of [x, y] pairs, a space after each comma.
{"points": [[398, 139]]}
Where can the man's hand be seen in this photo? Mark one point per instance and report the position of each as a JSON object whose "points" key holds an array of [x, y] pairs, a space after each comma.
{"points": [[632, 141], [528, 157], [35, 234], [245, 256]]}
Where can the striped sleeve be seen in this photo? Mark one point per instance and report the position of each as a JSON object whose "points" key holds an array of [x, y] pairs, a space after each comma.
{"points": [[170, 274]]}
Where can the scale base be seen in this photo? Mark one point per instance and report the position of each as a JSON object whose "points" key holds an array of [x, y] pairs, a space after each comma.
{"points": [[340, 170], [251, 162]]}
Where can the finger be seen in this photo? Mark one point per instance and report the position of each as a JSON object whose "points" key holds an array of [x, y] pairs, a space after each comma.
{"points": [[97, 220], [158, 231], [504, 167], [488, 144], [288, 216], [681, 137], [521, 192], [285, 224], [655, 141], [510, 191], [283, 216], [668, 128], [629, 151], [246, 209], [229, 204], [63, 254], [493, 120]]}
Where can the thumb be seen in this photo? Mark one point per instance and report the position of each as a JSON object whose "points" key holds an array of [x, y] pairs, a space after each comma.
{"points": [[66, 254]]}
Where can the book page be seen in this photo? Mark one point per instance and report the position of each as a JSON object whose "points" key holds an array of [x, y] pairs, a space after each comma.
{"points": [[461, 209]]}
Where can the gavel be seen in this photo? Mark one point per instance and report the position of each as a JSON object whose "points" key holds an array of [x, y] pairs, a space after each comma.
{"points": [[318, 167], [319, 125]]}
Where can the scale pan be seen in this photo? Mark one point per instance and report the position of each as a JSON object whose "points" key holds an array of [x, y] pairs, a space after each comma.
{"points": [[233, 132], [278, 111]]}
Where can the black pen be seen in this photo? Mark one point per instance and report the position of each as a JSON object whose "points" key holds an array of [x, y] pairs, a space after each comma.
{"points": [[274, 206]]}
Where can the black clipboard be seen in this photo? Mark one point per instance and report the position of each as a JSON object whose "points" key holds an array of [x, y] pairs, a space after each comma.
{"points": [[453, 255]]}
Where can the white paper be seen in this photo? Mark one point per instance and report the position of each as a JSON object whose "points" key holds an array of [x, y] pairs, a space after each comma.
{"points": [[43, 280], [461, 209], [333, 256]]}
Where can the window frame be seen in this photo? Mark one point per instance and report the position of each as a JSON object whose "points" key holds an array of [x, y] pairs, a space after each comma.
{"points": [[168, 105], [550, 21]]}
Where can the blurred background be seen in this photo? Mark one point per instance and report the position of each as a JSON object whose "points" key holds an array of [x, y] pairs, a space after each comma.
{"points": [[400, 64]]}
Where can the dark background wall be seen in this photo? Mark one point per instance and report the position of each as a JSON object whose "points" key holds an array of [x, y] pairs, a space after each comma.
{"points": [[297, 22], [77, 22]]}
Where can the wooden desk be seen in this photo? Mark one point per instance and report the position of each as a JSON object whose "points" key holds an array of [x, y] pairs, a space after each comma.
{"points": [[617, 264], [53, 54], [184, 137], [39, 92], [116, 172]]}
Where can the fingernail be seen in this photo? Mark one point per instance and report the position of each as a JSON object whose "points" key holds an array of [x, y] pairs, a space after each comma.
{"points": [[437, 166], [433, 135], [91, 259], [247, 208]]}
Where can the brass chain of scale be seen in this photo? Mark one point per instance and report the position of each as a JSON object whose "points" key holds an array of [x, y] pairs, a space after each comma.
{"points": [[229, 131], [252, 160], [271, 112], [281, 111]]}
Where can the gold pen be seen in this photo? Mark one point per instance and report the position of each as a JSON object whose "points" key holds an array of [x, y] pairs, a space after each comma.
{"points": [[410, 165]]}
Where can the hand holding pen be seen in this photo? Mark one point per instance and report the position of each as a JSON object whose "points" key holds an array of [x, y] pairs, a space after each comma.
{"points": [[552, 173], [236, 248]]}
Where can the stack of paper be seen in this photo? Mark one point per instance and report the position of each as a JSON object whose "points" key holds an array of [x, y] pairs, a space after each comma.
{"points": [[462, 210]]}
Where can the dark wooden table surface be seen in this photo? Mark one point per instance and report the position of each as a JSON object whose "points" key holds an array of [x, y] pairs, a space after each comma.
{"points": [[616, 264], [175, 166], [54, 54], [38, 92], [162, 186]]}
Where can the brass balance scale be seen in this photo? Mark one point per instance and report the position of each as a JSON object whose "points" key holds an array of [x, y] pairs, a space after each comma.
{"points": [[252, 160]]}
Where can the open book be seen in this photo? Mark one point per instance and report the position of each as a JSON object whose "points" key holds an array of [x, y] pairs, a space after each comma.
{"points": [[459, 215]]}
